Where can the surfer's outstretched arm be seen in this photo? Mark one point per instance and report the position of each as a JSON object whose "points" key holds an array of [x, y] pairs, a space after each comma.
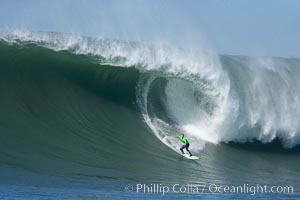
{"points": [[180, 138]]}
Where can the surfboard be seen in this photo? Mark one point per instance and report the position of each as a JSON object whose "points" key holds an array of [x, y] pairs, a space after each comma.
{"points": [[190, 157]]}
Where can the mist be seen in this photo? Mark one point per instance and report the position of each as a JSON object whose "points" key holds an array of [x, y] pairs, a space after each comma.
{"points": [[262, 28]]}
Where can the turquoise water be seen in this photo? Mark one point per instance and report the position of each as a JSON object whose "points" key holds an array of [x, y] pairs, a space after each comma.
{"points": [[82, 125]]}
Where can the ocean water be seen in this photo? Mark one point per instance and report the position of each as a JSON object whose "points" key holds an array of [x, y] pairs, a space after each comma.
{"points": [[86, 118]]}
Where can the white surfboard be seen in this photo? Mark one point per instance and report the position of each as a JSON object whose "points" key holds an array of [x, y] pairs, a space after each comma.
{"points": [[190, 157]]}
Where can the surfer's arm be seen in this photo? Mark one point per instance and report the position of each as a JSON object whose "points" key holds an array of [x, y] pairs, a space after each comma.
{"points": [[179, 138]]}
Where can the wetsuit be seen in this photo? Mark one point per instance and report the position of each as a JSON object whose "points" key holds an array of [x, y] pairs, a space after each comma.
{"points": [[186, 144]]}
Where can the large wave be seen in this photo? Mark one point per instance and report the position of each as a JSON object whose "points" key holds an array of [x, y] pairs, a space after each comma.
{"points": [[210, 98]]}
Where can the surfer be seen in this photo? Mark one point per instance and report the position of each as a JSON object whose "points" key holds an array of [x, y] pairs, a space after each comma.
{"points": [[185, 145]]}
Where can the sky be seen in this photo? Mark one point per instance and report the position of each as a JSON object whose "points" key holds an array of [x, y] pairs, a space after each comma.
{"points": [[244, 27]]}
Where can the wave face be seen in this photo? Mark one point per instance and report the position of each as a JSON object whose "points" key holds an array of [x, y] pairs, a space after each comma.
{"points": [[88, 104]]}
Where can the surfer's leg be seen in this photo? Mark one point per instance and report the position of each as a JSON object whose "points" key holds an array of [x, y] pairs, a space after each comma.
{"points": [[181, 149], [187, 148]]}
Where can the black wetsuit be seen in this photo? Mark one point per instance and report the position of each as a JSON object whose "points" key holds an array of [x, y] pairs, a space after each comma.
{"points": [[186, 146]]}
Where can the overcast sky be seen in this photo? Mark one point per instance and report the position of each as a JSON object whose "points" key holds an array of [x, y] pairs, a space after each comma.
{"points": [[245, 27]]}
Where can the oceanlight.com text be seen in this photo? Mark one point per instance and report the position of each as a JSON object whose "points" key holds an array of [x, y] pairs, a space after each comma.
{"points": [[203, 188]]}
